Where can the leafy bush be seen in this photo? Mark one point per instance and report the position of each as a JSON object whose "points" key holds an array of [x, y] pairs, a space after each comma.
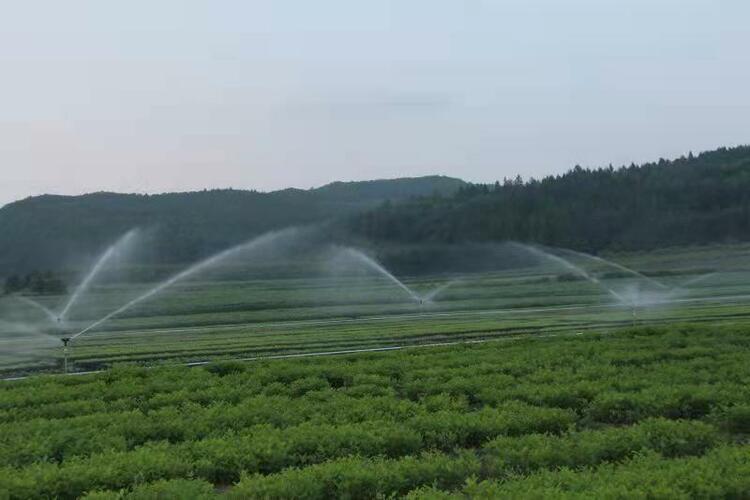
{"points": [[360, 478], [176, 489], [722, 473], [524, 454], [736, 419]]}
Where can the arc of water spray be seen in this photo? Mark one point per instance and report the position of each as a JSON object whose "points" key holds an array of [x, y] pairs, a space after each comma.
{"points": [[48, 312], [200, 266], [682, 287], [670, 291], [617, 266], [697, 279], [373, 264], [89, 278], [571, 267], [430, 296], [24, 329]]}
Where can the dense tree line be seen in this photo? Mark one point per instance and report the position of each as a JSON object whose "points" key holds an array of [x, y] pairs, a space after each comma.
{"points": [[690, 200]]}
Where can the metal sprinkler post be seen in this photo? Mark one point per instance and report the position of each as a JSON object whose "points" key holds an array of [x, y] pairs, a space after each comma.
{"points": [[65, 341]]}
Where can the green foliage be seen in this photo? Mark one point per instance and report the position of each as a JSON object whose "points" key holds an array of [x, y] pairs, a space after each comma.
{"points": [[699, 199], [736, 419], [176, 489], [527, 453], [721, 473], [543, 415], [360, 478]]}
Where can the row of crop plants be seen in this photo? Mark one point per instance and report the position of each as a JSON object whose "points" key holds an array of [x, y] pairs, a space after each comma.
{"points": [[489, 411]]}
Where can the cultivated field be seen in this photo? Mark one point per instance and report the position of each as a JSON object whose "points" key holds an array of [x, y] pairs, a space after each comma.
{"points": [[659, 412], [520, 382], [214, 317]]}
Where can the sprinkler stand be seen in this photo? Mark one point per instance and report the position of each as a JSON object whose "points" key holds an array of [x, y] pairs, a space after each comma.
{"points": [[65, 341]]}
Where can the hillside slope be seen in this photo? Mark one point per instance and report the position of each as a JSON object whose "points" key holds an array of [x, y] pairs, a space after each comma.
{"points": [[47, 232]]}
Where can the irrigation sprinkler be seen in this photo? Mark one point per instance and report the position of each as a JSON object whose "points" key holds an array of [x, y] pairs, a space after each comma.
{"points": [[65, 341]]}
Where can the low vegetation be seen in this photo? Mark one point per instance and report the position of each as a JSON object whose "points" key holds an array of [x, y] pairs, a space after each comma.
{"points": [[658, 411]]}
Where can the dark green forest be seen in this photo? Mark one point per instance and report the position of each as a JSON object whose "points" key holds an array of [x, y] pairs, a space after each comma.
{"points": [[690, 200]]}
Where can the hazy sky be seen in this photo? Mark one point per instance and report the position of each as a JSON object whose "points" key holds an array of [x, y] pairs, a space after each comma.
{"points": [[152, 96]]}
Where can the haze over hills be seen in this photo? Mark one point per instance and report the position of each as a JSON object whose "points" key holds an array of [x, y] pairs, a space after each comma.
{"points": [[50, 231]]}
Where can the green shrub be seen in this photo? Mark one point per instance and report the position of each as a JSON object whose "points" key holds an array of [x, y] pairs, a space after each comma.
{"points": [[360, 478], [224, 368], [524, 454], [722, 473], [736, 419], [176, 489], [613, 408]]}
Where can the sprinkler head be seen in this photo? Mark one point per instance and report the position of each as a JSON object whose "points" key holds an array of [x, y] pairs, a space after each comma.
{"points": [[65, 341]]}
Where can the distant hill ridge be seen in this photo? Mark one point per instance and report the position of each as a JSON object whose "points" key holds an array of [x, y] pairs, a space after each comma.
{"points": [[49, 231], [402, 187]]}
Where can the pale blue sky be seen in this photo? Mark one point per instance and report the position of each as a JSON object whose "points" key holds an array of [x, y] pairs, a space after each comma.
{"points": [[152, 96]]}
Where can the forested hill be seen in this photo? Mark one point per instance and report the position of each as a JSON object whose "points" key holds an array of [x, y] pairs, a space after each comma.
{"points": [[690, 200], [49, 232]]}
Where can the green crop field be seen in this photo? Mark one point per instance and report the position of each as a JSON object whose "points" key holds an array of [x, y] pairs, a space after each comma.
{"points": [[530, 381], [659, 412], [221, 316]]}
